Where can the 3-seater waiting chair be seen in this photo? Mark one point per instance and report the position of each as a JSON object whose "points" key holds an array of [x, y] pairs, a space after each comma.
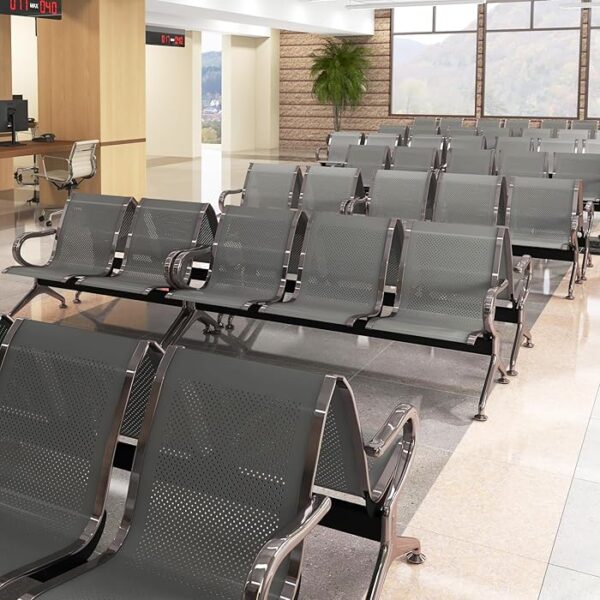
{"points": [[268, 186], [337, 146]]}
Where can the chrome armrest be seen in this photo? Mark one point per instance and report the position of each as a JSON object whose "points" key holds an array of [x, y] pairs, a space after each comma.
{"points": [[178, 266], [575, 223], [276, 551], [20, 241], [224, 196], [358, 206], [318, 153], [391, 431], [489, 307], [590, 212], [523, 264]]}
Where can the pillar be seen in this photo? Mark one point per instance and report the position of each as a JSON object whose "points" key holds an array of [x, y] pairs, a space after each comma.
{"points": [[91, 72], [6, 166]]}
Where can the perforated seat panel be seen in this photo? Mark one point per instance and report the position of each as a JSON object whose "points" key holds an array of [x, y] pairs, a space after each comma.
{"points": [[447, 273], [59, 389], [414, 159], [341, 271], [270, 186], [339, 143], [85, 243], [248, 262], [399, 194], [368, 159], [476, 162], [221, 477], [540, 213], [467, 199], [327, 189], [159, 228]]}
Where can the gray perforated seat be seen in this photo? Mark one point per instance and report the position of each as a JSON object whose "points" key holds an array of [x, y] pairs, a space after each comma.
{"points": [[517, 126], [592, 147], [527, 164], [447, 270], [535, 133], [390, 140], [554, 147], [268, 186], [492, 134], [86, 241], [459, 131], [159, 228], [554, 124], [399, 130], [470, 199], [474, 142], [415, 159], [213, 495], [400, 194], [591, 125], [62, 397], [330, 190], [368, 159], [580, 166], [577, 135], [343, 269], [248, 258], [476, 162], [338, 143], [512, 145]]}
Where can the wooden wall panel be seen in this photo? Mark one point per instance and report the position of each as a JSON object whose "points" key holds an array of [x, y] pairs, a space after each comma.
{"points": [[306, 123], [6, 166]]}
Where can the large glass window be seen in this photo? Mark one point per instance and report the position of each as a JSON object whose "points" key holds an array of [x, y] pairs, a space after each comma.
{"points": [[594, 78], [434, 60], [531, 59]]}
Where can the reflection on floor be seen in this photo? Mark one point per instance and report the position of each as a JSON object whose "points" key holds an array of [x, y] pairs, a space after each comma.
{"points": [[506, 509]]}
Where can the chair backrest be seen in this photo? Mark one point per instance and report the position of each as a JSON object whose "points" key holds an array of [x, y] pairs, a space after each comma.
{"points": [[62, 396], [450, 123], [536, 133], [474, 142], [330, 189], [369, 159], [212, 491], [338, 143], [513, 145], [161, 227], [488, 122], [415, 159], [470, 199], [492, 134], [459, 131], [417, 130], [401, 194], [344, 260], [272, 186], [573, 134], [527, 164], [399, 130], [554, 124], [433, 142], [83, 159], [90, 229], [542, 209], [589, 124], [425, 121], [477, 162], [447, 269], [252, 251], [554, 147], [390, 140], [592, 146], [517, 126], [580, 166]]}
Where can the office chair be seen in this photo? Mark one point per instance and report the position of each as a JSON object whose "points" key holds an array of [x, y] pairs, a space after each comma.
{"points": [[67, 173]]}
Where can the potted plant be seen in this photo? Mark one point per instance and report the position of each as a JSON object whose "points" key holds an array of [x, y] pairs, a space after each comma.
{"points": [[339, 73]]}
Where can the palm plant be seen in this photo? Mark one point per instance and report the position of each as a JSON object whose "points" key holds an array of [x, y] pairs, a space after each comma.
{"points": [[339, 73]]}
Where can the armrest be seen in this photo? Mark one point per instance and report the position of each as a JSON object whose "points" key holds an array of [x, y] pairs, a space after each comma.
{"points": [[358, 206], [178, 265], [56, 158], [20, 241], [318, 153], [276, 551], [224, 196], [523, 264], [489, 307], [590, 212], [391, 430]]}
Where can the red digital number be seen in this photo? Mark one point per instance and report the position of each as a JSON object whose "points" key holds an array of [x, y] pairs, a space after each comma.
{"points": [[19, 5], [47, 7]]}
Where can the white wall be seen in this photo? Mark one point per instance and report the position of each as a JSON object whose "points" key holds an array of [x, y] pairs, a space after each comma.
{"points": [[174, 99], [24, 61], [250, 93]]}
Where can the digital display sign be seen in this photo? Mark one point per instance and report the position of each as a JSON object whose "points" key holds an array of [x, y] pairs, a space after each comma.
{"points": [[47, 9], [164, 38]]}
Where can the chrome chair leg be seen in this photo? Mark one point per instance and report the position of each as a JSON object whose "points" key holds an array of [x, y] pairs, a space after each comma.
{"points": [[574, 276], [184, 320], [220, 323], [77, 298], [496, 364], [528, 339], [34, 292], [518, 341], [212, 327], [230, 326]]}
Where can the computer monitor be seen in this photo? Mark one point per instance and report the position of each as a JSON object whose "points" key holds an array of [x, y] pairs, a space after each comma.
{"points": [[13, 118]]}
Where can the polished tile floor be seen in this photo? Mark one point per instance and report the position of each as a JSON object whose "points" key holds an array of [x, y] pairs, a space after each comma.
{"points": [[508, 509]]}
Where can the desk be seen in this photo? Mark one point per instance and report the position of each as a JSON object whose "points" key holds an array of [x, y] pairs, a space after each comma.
{"points": [[33, 148]]}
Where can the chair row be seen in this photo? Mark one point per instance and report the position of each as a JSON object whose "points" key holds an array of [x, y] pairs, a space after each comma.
{"points": [[546, 217], [337, 271], [212, 510]]}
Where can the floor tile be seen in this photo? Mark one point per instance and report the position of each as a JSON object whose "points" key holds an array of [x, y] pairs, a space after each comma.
{"points": [[588, 467], [462, 570], [578, 541], [564, 584]]}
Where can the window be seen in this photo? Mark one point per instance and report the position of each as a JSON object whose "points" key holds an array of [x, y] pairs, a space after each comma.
{"points": [[593, 107], [532, 60], [434, 50]]}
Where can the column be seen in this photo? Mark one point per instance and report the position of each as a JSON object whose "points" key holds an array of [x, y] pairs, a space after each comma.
{"points": [[6, 166]]}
